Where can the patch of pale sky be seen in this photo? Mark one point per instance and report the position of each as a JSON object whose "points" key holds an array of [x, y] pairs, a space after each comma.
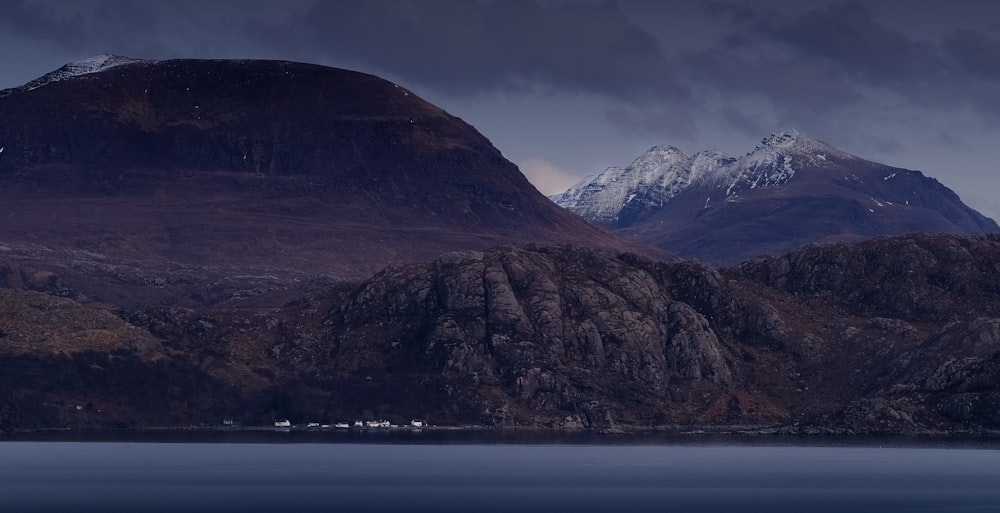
{"points": [[546, 177]]}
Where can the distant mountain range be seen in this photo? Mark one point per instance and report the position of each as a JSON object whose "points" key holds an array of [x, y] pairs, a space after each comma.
{"points": [[791, 190]]}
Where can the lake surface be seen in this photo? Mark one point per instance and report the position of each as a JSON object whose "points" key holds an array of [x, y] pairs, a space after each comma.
{"points": [[270, 473]]}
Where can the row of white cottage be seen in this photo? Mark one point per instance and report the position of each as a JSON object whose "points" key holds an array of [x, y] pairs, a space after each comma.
{"points": [[285, 423]]}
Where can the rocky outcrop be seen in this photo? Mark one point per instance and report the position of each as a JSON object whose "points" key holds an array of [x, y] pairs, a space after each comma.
{"points": [[921, 278], [33, 322], [64, 364], [929, 305], [549, 333], [949, 380]]}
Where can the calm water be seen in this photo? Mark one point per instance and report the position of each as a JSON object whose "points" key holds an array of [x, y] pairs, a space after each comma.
{"points": [[179, 476]]}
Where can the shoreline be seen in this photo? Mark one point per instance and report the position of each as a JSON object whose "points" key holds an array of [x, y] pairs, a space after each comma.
{"points": [[481, 434]]}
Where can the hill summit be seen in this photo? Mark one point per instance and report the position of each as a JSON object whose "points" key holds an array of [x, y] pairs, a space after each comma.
{"points": [[251, 168]]}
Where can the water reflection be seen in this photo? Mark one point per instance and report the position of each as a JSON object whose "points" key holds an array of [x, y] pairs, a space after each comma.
{"points": [[268, 471]]}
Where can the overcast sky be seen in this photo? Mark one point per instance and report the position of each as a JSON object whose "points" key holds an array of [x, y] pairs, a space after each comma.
{"points": [[568, 88]]}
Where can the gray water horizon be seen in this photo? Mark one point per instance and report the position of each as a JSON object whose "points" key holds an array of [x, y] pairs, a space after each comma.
{"points": [[277, 474]]}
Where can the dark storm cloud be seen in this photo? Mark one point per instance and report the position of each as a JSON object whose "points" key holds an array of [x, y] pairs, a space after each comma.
{"points": [[747, 70], [838, 65], [733, 11], [673, 120], [88, 26], [851, 40], [828, 53], [977, 54], [466, 47], [818, 65], [451, 47], [137, 28], [742, 122], [42, 22]]}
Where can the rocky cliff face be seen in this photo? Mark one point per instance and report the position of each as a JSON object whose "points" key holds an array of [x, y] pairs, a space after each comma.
{"points": [[932, 300], [916, 279], [544, 337], [540, 336]]}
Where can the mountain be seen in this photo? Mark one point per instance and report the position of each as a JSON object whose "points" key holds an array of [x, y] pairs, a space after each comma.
{"points": [[202, 180], [791, 190], [892, 335]]}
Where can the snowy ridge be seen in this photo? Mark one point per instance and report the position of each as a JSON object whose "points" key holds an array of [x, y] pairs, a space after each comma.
{"points": [[665, 171], [74, 69], [787, 144], [601, 197]]}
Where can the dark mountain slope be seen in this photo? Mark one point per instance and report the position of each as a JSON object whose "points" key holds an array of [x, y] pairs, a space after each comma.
{"points": [[183, 169]]}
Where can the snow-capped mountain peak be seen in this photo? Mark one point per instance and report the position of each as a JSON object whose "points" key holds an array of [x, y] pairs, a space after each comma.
{"points": [[663, 151], [664, 171], [781, 140], [793, 142], [87, 66], [91, 65], [789, 190], [657, 162]]}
